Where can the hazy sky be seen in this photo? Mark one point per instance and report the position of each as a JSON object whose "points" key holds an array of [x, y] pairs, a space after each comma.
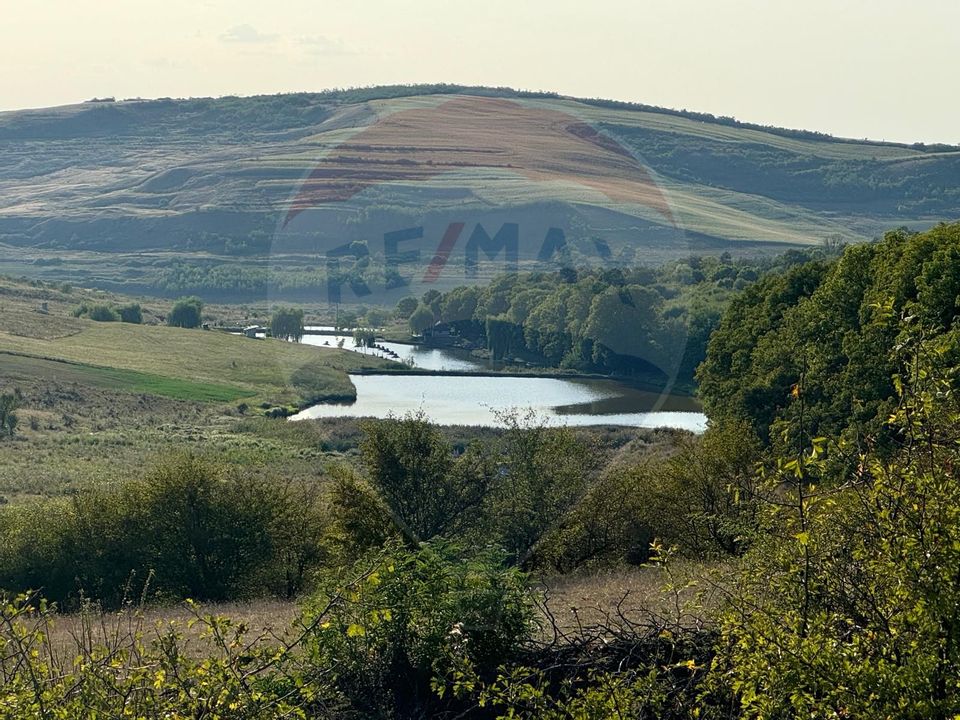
{"points": [[882, 69]]}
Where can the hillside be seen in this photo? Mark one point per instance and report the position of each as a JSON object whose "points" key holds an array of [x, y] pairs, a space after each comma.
{"points": [[148, 181]]}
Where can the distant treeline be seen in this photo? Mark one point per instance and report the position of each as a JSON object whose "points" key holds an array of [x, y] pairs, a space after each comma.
{"points": [[651, 323], [300, 110]]}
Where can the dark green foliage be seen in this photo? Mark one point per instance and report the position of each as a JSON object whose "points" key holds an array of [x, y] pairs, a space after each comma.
{"points": [[102, 313], [508, 491], [192, 528], [406, 306], [503, 336], [186, 313], [131, 313], [413, 469], [287, 324], [539, 475], [9, 402], [395, 613], [830, 330], [847, 607], [421, 320], [652, 324], [700, 501]]}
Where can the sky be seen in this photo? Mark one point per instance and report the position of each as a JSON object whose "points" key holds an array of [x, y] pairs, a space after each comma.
{"points": [[880, 69]]}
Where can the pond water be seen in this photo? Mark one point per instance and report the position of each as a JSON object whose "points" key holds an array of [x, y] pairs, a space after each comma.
{"points": [[478, 400], [417, 356]]}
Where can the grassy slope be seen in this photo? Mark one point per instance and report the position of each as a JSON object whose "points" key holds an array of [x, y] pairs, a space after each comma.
{"points": [[22, 367], [103, 401], [220, 169], [259, 367], [155, 359]]}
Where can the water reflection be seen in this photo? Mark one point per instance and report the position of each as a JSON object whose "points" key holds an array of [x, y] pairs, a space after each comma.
{"points": [[475, 400]]}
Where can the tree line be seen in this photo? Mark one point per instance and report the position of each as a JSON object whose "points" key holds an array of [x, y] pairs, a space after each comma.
{"points": [[647, 322]]}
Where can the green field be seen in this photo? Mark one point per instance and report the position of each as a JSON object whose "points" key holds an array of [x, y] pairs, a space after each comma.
{"points": [[24, 366], [165, 358]]}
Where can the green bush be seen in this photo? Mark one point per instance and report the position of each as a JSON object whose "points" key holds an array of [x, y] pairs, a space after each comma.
{"points": [[412, 467], [190, 526], [538, 473], [131, 313], [9, 402], [388, 623], [848, 605], [102, 313], [186, 313]]}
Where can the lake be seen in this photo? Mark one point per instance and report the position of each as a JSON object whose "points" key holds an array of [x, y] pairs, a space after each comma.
{"points": [[477, 400]]}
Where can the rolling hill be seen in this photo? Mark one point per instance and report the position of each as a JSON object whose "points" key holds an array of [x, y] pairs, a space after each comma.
{"points": [[171, 196]]}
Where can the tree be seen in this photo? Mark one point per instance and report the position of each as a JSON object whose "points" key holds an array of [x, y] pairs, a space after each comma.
{"points": [[131, 313], [503, 337], [376, 317], [102, 313], [287, 324], [848, 606], [364, 337], [834, 325], [8, 417], [626, 329], [541, 472], [406, 306], [431, 298], [186, 313], [412, 467], [459, 304], [421, 320]]}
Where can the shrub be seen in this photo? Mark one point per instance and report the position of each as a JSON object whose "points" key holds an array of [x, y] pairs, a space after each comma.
{"points": [[120, 667], [199, 530], [8, 416], [186, 313], [539, 474], [131, 313], [391, 618], [847, 607], [102, 313], [411, 466], [287, 324]]}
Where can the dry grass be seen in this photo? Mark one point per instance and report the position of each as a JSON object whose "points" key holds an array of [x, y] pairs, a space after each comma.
{"points": [[268, 619], [684, 595], [575, 604]]}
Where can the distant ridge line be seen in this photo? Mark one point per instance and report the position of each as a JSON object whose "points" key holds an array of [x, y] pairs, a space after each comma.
{"points": [[351, 95]]}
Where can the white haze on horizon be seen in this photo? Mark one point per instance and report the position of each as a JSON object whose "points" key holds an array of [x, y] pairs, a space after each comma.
{"points": [[883, 69]]}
